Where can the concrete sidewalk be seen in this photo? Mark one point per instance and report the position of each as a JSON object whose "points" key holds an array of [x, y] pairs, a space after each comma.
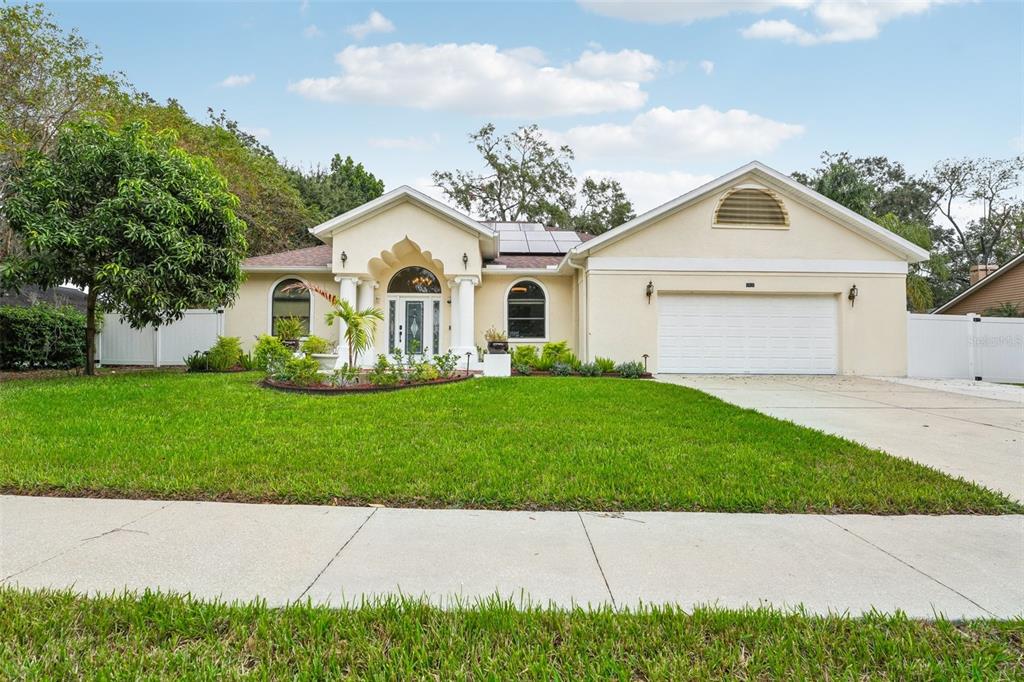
{"points": [[959, 566]]}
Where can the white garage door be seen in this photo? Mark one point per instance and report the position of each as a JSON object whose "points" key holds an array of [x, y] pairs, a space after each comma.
{"points": [[747, 334]]}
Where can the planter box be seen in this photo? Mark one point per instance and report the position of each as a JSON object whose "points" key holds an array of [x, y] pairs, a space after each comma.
{"points": [[326, 360], [497, 365]]}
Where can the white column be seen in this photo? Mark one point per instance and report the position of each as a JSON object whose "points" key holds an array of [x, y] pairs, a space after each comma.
{"points": [[454, 339], [364, 297], [346, 292], [467, 310]]}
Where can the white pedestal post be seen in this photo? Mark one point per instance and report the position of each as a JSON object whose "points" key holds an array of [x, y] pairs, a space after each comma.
{"points": [[467, 321], [346, 292], [497, 365]]}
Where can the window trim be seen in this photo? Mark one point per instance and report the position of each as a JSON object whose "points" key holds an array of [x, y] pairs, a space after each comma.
{"points": [[270, 302], [749, 226], [547, 311]]}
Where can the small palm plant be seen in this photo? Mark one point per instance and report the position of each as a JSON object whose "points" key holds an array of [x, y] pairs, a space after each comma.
{"points": [[360, 325]]}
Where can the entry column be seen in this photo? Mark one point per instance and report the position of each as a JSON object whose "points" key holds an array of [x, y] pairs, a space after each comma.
{"points": [[346, 292], [364, 296], [467, 317]]}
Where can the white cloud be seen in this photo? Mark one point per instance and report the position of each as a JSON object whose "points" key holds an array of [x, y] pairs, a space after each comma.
{"points": [[837, 21], [665, 133], [626, 65], [482, 79], [707, 66], [840, 21], [412, 143], [237, 80], [375, 23], [649, 189], [662, 12], [312, 31]]}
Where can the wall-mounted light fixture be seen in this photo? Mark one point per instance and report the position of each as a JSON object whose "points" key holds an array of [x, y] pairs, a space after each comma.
{"points": [[853, 295], [344, 257], [649, 291], [465, 260]]}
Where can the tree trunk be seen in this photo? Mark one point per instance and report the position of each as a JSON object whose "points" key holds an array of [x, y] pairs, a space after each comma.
{"points": [[90, 332]]}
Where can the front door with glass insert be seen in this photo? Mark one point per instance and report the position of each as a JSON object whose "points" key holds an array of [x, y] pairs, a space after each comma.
{"points": [[414, 324]]}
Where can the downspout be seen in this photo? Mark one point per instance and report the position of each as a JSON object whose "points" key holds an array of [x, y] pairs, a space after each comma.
{"points": [[585, 332]]}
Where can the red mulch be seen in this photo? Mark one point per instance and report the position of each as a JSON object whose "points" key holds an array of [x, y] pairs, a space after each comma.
{"points": [[357, 388]]}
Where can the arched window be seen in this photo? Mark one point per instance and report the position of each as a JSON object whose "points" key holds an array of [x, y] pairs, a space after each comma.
{"points": [[751, 206], [527, 311], [286, 301], [414, 280]]}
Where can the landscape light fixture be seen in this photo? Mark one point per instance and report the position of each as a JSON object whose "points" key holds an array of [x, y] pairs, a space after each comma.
{"points": [[645, 356], [853, 295], [649, 291], [468, 355]]}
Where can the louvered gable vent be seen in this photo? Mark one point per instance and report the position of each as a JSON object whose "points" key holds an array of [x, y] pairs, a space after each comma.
{"points": [[749, 206]]}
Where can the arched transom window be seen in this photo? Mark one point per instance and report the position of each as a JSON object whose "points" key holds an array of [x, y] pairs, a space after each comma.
{"points": [[289, 301], [414, 280], [748, 206], [527, 311]]}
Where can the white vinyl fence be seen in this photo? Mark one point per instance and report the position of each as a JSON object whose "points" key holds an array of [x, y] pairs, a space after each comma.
{"points": [[119, 344], [965, 347]]}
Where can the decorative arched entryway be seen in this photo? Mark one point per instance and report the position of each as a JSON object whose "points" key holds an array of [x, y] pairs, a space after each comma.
{"points": [[414, 312]]}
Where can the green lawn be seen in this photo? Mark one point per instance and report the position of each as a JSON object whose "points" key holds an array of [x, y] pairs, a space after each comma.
{"points": [[54, 635], [525, 443]]}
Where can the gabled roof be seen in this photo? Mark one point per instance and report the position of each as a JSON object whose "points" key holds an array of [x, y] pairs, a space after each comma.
{"points": [[776, 180], [398, 195], [985, 281], [311, 258]]}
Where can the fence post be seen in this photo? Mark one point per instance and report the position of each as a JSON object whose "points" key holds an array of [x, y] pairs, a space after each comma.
{"points": [[972, 347], [156, 346]]}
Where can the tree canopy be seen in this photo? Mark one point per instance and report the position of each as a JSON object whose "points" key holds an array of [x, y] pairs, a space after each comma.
{"points": [[528, 179], [337, 189], [146, 228]]}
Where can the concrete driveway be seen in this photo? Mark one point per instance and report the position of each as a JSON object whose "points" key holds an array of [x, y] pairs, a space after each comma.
{"points": [[978, 438]]}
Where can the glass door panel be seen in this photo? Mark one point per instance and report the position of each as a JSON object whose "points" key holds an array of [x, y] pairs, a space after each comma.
{"points": [[414, 327]]}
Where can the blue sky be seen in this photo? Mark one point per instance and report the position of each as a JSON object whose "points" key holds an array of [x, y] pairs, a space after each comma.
{"points": [[658, 95]]}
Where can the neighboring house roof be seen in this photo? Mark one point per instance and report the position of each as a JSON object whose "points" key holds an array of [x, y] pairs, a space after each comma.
{"points": [[406, 193], [29, 295], [980, 285], [309, 258], [776, 180]]}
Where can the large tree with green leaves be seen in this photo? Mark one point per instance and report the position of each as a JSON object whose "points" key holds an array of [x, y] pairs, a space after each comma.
{"points": [[48, 77], [341, 187], [527, 179], [146, 228]]}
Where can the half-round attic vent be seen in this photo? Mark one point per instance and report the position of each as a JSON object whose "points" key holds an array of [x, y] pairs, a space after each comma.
{"points": [[749, 206]]}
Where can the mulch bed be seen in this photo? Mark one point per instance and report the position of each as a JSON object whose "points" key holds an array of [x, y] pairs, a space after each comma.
{"points": [[358, 388], [610, 375]]}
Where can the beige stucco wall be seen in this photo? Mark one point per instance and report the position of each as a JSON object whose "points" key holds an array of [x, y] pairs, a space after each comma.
{"points": [[250, 315], [688, 233], [491, 309], [872, 336]]}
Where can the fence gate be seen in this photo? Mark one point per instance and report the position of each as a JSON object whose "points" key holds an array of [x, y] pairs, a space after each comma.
{"points": [[119, 344], [965, 347]]}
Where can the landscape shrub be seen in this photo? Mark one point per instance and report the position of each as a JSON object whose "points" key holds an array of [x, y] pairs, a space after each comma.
{"points": [[345, 375], [315, 345], [226, 354], [384, 373], [199, 361], [446, 364], [561, 369], [523, 368], [590, 369], [301, 370], [630, 370], [605, 364], [41, 336], [270, 354], [288, 329], [524, 355], [423, 371]]}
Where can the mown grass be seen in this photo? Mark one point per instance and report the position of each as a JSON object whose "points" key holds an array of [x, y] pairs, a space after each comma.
{"points": [[570, 443], [56, 635]]}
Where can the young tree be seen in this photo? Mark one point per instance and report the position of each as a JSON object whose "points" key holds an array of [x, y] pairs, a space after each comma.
{"points": [[332, 192], [47, 78], [146, 228]]}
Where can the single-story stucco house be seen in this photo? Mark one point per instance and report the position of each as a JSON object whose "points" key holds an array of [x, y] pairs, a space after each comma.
{"points": [[750, 273]]}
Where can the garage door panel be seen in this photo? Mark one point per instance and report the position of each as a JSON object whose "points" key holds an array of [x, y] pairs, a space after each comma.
{"points": [[755, 334]]}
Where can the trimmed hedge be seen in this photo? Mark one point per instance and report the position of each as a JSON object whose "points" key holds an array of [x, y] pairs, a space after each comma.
{"points": [[41, 336]]}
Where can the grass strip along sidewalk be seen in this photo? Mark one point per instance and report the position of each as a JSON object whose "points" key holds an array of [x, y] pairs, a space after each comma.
{"points": [[56, 635], [521, 443]]}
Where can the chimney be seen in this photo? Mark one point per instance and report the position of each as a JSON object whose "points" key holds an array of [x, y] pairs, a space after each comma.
{"points": [[981, 271]]}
